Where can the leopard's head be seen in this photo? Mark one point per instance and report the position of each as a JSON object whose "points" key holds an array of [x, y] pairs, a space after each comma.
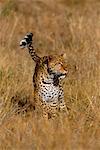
{"points": [[56, 66]]}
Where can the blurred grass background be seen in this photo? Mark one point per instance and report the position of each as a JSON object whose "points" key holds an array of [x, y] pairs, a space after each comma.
{"points": [[70, 26]]}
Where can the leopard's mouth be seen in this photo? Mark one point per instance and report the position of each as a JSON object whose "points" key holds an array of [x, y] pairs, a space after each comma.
{"points": [[62, 76], [58, 75]]}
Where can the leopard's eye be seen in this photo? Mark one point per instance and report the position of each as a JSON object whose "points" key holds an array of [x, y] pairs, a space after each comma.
{"points": [[58, 64]]}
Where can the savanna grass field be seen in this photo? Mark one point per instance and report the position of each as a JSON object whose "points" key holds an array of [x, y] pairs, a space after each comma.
{"points": [[59, 26]]}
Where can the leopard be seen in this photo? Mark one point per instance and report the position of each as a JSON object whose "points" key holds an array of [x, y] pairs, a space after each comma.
{"points": [[49, 72]]}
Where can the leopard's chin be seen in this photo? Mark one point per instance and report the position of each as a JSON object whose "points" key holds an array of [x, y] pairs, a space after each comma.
{"points": [[62, 76]]}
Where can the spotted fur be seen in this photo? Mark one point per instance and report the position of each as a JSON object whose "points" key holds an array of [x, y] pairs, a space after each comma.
{"points": [[49, 72]]}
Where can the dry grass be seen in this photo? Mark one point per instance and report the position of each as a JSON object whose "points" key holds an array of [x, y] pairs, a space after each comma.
{"points": [[73, 27]]}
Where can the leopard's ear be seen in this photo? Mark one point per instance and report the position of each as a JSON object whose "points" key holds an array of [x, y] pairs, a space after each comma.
{"points": [[64, 55], [46, 59], [50, 57]]}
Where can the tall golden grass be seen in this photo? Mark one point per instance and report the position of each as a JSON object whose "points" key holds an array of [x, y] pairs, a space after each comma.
{"points": [[70, 26]]}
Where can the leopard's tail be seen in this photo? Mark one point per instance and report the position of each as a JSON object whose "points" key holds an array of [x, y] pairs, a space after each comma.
{"points": [[27, 42]]}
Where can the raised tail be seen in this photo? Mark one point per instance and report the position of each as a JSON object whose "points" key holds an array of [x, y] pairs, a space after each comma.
{"points": [[26, 42]]}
